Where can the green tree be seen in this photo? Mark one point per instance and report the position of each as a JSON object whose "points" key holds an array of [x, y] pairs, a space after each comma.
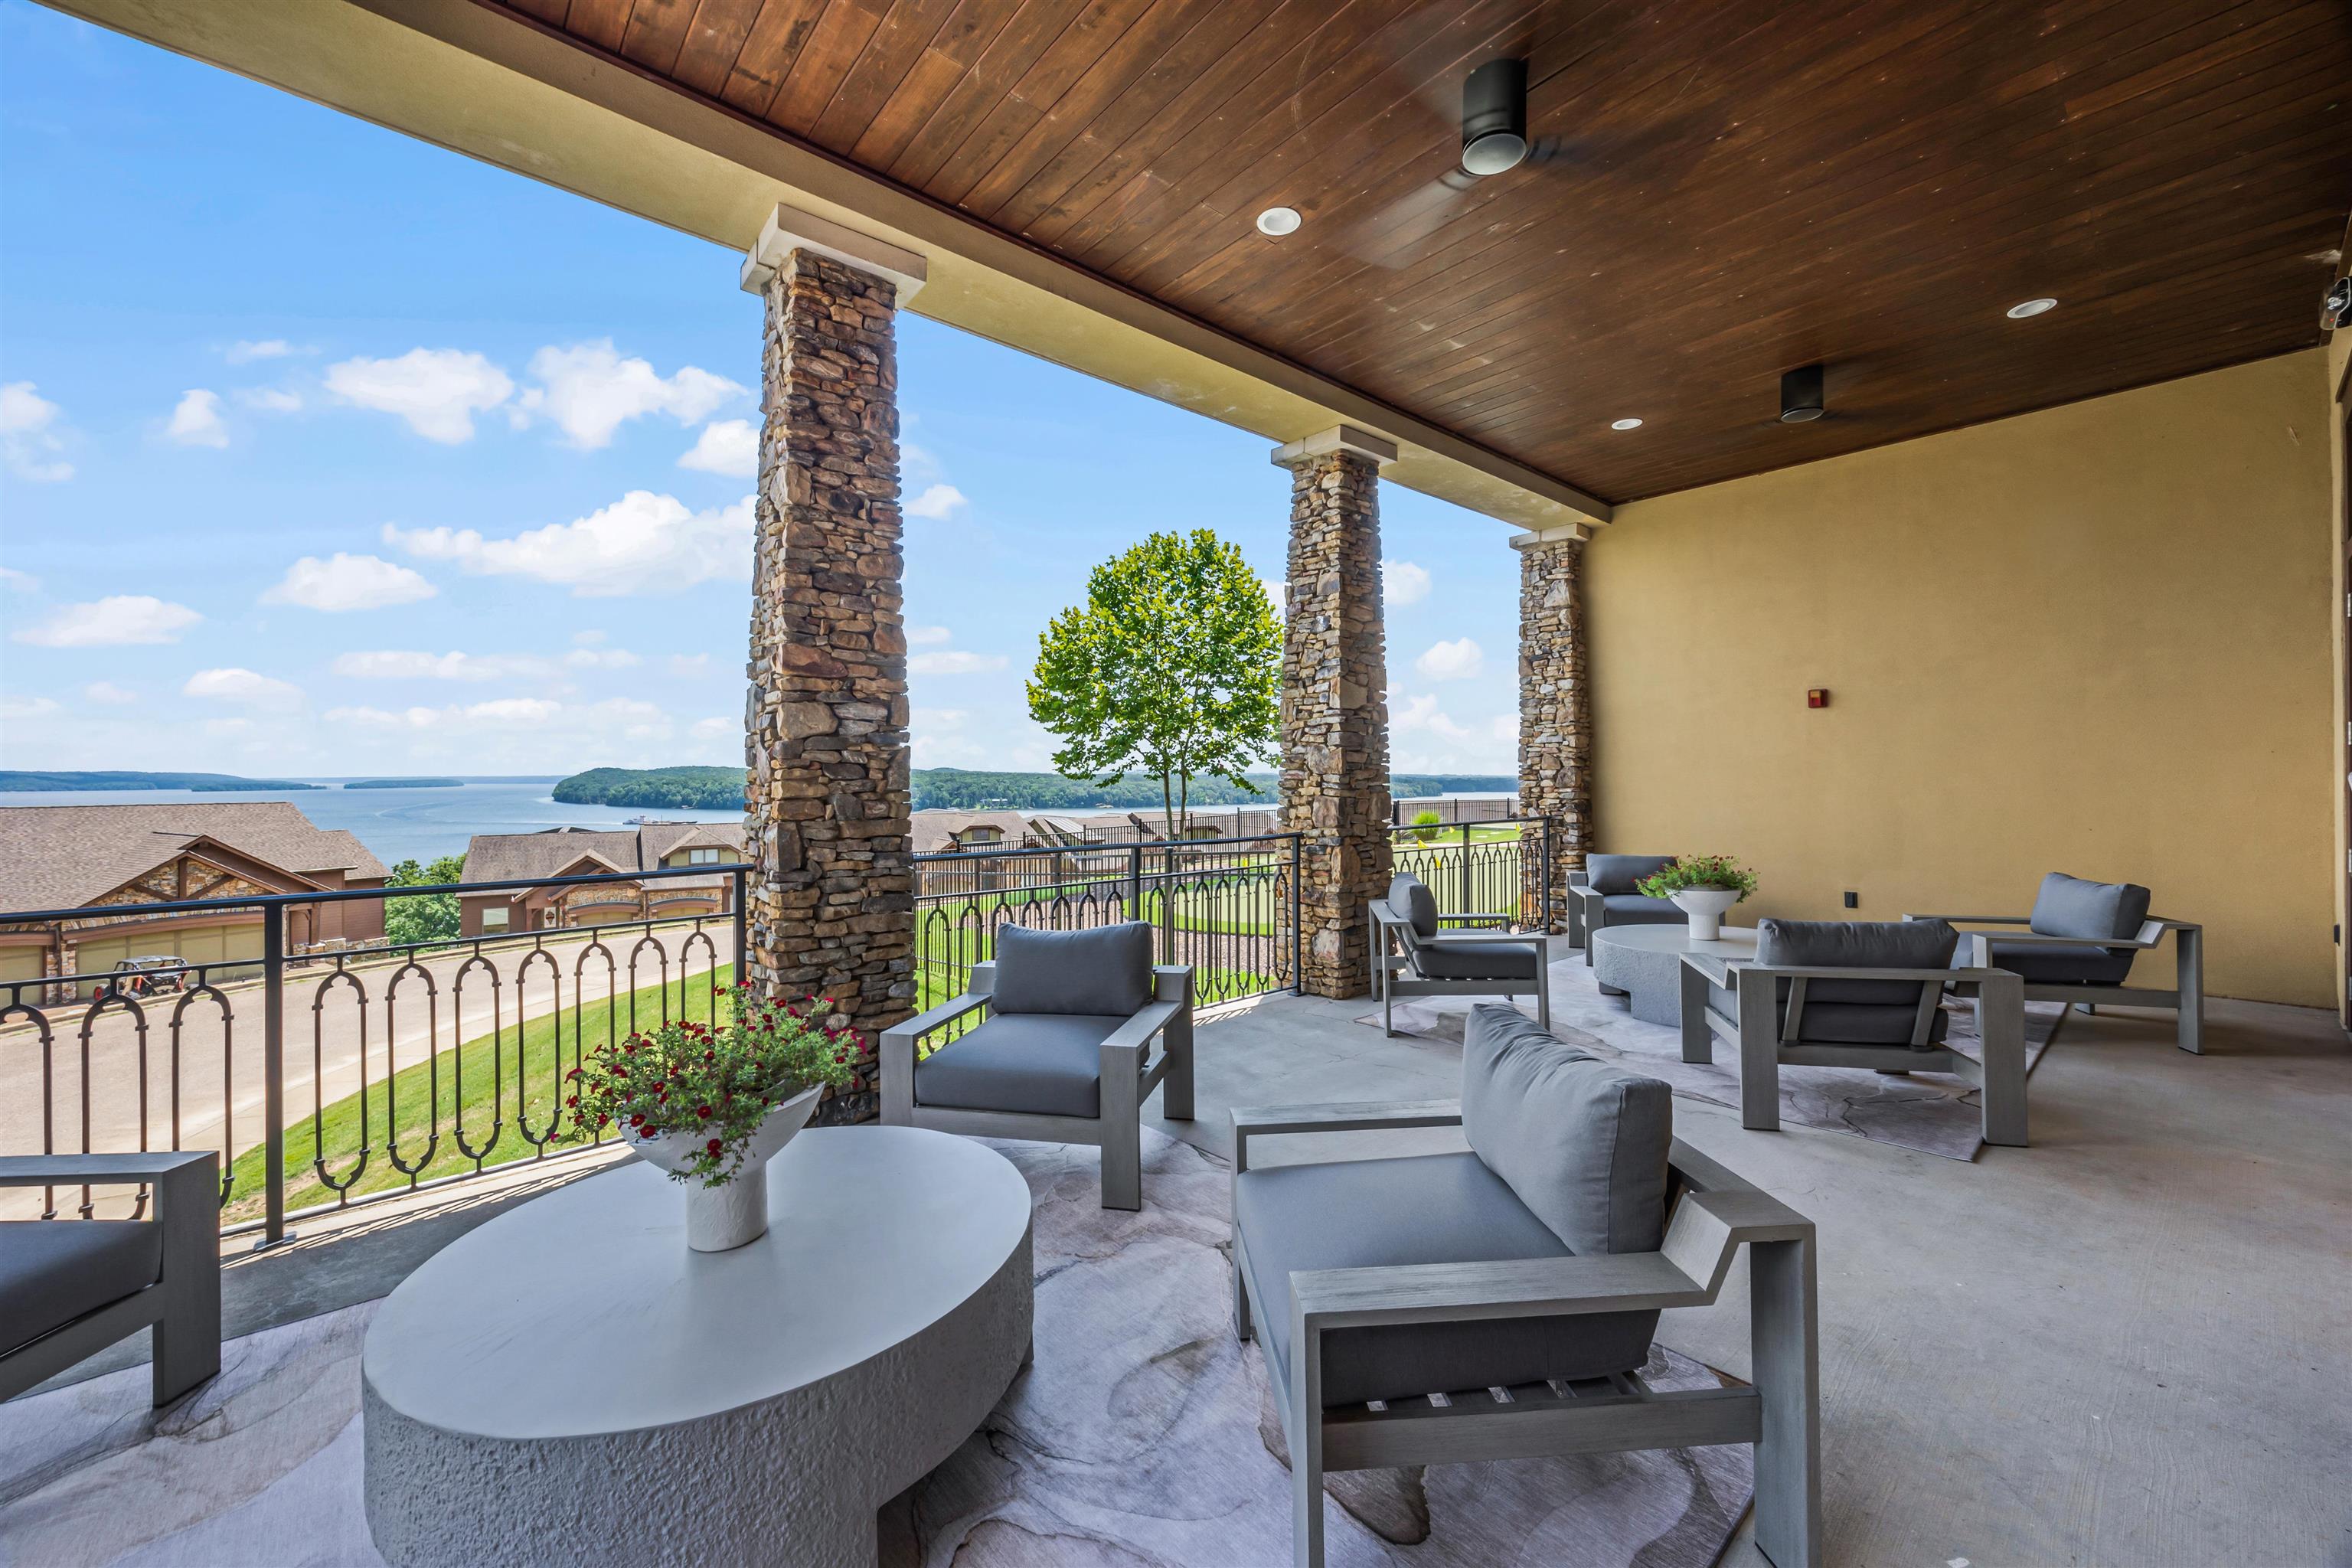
{"points": [[430, 919], [1172, 668]]}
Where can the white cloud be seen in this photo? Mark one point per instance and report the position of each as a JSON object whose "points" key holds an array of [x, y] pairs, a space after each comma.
{"points": [[601, 658], [1421, 714], [1460, 660], [727, 729], [1277, 594], [21, 581], [937, 502], [689, 664], [393, 664], [271, 399], [26, 708], [1402, 582], [28, 434], [642, 543], [590, 637], [956, 663], [237, 685], [589, 390], [268, 348], [728, 447], [926, 636], [466, 729], [437, 390], [105, 691], [197, 422], [1505, 728], [344, 582], [116, 621]]}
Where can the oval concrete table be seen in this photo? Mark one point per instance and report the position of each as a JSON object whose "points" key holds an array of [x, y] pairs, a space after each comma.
{"points": [[1645, 962], [569, 1384]]}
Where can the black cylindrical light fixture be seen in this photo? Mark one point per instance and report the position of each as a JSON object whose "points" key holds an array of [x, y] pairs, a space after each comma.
{"points": [[1800, 395], [1494, 117]]}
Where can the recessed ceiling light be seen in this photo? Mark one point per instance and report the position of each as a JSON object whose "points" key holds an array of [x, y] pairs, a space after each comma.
{"points": [[1624, 424], [1279, 221], [2030, 309]]}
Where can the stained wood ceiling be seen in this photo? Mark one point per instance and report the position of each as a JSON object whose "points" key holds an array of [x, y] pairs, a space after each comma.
{"points": [[1732, 188]]}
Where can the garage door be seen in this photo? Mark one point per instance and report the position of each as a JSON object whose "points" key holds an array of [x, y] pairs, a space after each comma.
{"points": [[19, 964]]}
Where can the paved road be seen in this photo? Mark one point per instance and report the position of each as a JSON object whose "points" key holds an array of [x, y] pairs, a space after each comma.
{"points": [[330, 1037]]}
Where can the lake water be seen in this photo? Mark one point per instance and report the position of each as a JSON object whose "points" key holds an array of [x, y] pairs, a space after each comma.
{"points": [[403, 823]]}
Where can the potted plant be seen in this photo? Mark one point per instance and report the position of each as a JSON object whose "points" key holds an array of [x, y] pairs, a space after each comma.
{"points": [[713, 1104], [1703, 887]]}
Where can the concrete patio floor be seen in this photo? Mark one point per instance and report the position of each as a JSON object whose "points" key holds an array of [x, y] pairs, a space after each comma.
{"points": [[2130, 1343]]}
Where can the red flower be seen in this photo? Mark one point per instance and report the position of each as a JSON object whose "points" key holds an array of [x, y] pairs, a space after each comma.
{"points": [[602, 1120], [574, 1101], [639, 1119], [713, 1147], [703, 1111], [620, 1071], [650, 1133], [573, 1073]]}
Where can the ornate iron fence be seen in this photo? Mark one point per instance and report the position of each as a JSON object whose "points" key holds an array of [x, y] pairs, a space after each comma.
{"points": [[418, 1064], [1227, 907], [1498, 867]]}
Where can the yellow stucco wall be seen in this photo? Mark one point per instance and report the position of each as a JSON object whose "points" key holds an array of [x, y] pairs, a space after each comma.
{"points": [[2095, 639]]}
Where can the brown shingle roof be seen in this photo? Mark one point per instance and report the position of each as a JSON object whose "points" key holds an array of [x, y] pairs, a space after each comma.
{"points": [[514, 857], [62, 856]]}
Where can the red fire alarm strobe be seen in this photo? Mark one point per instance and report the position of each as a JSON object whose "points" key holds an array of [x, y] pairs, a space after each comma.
{"points": [[1818, 697]]}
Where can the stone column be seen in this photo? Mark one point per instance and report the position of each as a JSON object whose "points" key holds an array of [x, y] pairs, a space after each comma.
{"points": [[830, 909], [1555, 713], [1335, 711]]}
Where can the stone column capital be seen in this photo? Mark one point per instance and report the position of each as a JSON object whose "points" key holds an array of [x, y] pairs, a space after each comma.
{"points": [[1545, 538], [789, 228], [1338, 439]]}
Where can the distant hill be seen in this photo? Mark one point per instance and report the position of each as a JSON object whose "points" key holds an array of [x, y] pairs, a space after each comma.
{"points": [[405, 784], [213, 783], [721, 789]]}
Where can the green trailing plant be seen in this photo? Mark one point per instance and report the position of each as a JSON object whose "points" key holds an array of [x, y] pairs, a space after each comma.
{"points": [[1719, 873], [1172, 668], [719, 1082]]}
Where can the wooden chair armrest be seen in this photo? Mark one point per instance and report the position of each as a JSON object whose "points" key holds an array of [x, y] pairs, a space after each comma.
{"points": [[1136, 1031], [1974, 919], [1481, 938], [1580, 878], [1171, 982], [1717, 969], [59, 1170], [1496, 919], [2035, 939], [1818, 972], [1361, 1116], [946, 1013]]}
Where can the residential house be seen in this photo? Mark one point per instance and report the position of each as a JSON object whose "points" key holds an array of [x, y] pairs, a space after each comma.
{"points": [[119, 857], [945, 831], [560, 852]]}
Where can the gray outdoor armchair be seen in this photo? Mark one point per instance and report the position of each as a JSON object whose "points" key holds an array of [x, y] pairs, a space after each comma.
{"points": [[1414, 955], [1854, 994], [1065, 1055], [69, 1287], [1604, 894], [1392, 1298], [2078, 946]]}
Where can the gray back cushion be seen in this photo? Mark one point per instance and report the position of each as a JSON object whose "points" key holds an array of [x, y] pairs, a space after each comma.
{"points": [[1411, 898], [1583, 1144], [1107, 970], [1857, 944], [2069, 906], [1618, 873]]}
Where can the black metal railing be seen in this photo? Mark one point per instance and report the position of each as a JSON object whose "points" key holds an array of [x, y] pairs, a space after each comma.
{"points": [[1227, 907], [427, 1061], [1500, 866]]}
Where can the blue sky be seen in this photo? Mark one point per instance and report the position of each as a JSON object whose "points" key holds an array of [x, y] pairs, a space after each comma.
{"points": [[327, 451]]}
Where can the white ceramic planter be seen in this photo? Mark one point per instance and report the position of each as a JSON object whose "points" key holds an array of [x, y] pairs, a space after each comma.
{"points": [[721, 1218], [1705, 905]]}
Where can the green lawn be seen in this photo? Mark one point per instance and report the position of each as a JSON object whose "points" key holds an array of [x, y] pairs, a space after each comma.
{"points": [[489, 1097]]}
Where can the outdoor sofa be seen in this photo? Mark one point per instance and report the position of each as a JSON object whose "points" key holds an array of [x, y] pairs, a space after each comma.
{"points": [[1605, 893], [1414, 955]]}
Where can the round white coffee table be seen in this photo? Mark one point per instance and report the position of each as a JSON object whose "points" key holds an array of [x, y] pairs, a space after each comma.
{"points": [[1645, 963], [568, 1383]]}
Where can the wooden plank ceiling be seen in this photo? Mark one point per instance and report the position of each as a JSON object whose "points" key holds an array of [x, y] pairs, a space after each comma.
{"points": [[1732, 188]]}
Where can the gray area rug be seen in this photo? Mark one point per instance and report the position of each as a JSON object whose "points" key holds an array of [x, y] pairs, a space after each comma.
{"points": [[1133, 1442], [1141, 1434], [1934, 1113]]}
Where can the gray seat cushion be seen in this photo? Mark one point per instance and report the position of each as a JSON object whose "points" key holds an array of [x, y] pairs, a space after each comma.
{"points": [[1428, 1208], [1475, 961], [1049, 1064], [1618, 873], [1582, 1144], [2040, 965], [1856, 1012], [1410, 897], [53, 1271], [2069, 906], [1107, 969], [1638, 908]]}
